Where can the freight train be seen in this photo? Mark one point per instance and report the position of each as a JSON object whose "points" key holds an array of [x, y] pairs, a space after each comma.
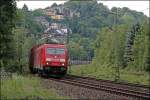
{"points": [[49, 59]]}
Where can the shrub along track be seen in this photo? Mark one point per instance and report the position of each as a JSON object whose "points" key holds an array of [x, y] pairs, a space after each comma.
{"points": [[123, 89]]}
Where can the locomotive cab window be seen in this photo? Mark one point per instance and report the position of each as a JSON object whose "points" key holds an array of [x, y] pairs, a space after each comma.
{"points": [[50, 50], [60, 51], [55, 51]]}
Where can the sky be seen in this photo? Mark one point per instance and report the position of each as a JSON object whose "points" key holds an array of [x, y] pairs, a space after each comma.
{"points": [[141, 6]]}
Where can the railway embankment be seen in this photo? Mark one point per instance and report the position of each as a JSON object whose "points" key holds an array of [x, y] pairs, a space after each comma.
{"points": [[33, 87], [109, 73], [77, 87], [18, 87]]}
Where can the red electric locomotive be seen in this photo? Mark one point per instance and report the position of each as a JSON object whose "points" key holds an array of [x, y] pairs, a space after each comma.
{"points": [[50, 59]]}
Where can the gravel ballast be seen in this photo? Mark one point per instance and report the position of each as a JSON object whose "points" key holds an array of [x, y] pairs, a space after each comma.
{"points": [[76, 92]]}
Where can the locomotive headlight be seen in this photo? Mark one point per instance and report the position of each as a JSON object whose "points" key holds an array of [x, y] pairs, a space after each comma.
{"points": [[48, 59], [47, 63], [62, 60], [63, 64]]}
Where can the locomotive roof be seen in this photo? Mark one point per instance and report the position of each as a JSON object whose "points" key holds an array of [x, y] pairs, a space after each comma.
{"points": [[54, 45], [48, 45]]}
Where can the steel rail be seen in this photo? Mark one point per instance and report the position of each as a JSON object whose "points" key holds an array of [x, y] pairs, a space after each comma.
{"points": [[106, 88], [109, 81], [114, 87]]}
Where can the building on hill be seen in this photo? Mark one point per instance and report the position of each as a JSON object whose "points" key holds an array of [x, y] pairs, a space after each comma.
{"points": [[60, 12], [50, 12], [54, 26], [57, 17], [56, 32], [42, 20]]}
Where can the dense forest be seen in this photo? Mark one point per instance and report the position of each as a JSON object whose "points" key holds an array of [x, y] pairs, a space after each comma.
{"points": [[130, 48], [97, 33]]}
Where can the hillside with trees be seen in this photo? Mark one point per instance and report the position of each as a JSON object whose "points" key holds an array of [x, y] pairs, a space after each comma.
{"points": [[114, 44], [94, 17], [93, 34], [125, 51]]}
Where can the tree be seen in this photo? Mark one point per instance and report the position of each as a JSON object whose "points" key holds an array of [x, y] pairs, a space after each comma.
{"points": [[25, 7], [7, 23], [54, 5], [105, 46], [141, 49], [22, 46], [128, 54]]}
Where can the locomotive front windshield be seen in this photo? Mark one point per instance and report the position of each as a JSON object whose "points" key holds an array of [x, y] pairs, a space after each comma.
{"points": [[55, 51]]}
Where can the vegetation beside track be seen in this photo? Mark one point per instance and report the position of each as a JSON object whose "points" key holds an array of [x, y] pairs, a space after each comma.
{"points": [[25, 87], [108, 73]]}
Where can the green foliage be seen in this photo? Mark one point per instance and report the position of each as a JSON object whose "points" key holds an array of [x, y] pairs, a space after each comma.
{"points": [[141, 51], [80, 47], [37, 12], [77, 52], [108, 73], [105, 46], [96, 22], [24, 37], [93, 18], [7, 16], [25, 87], [54, 5], [25, 8], [19, 42], [22, 46], [110, 47], [25, 19], [90, 19]]}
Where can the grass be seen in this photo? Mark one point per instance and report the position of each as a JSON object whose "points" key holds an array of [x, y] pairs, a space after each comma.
{"points": [[102, 72], [21, 87]]}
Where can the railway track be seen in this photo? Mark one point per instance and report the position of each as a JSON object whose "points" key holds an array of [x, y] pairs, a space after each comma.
{"points": [[123, 84], [125, 89]]}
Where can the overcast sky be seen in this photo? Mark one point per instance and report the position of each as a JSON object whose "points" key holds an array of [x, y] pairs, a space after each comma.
{"points": [[142, 6]]}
